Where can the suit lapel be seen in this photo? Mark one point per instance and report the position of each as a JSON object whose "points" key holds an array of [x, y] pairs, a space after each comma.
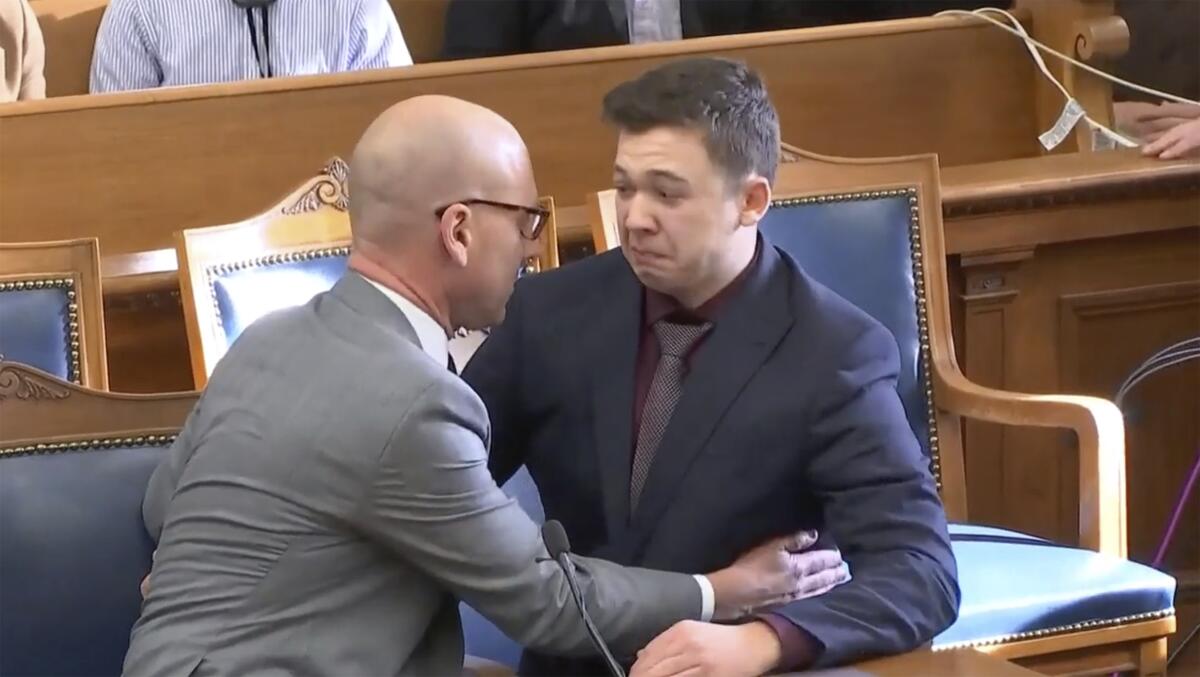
{"points": [[353, 290], [615, 345], [743, 337]]}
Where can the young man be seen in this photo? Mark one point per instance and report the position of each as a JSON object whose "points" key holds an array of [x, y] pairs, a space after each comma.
{"points": [[695, 392]]}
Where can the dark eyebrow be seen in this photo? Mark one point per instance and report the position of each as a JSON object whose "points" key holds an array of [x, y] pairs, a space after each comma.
{"points": [[661, 174], [669, 176]]}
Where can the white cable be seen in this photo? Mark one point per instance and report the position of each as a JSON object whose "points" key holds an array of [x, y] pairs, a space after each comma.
{"points": [[982, 14], [1186, 344], [1186, 357], [1073, 111]]}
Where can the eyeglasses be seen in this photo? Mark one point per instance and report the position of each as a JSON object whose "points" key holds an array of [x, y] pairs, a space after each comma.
{"points": [[530, 227]]}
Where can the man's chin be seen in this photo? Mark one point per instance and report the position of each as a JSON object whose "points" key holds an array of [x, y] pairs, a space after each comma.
{"points": [[654, 280]]}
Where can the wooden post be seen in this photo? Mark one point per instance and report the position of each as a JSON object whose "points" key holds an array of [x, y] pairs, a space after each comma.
{"points": [[1089, 31]]}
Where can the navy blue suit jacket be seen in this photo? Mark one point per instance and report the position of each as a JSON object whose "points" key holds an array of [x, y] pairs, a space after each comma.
{"points": [[789, 419]]}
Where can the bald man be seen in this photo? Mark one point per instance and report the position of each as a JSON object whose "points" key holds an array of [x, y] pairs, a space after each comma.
{"points": [[328, 502]]}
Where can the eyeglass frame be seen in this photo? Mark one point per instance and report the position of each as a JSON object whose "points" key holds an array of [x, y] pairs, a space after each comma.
{"points": [[542, 215]]}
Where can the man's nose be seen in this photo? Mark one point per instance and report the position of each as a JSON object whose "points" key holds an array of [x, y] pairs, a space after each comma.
{"points": [[638, 215]]}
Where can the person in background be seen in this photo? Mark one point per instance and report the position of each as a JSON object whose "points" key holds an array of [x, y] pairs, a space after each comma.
{"points": [[144, 44], [1181, 139], [479, 28], [1164, 54], [22, 51]]}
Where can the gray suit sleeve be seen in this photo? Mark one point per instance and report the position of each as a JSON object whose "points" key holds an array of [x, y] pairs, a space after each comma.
{"points": [[434, 503], [165, 477]]}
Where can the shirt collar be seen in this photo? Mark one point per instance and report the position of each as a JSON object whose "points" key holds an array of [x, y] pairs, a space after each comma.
{"points": [[430, 334], [657, 305]]}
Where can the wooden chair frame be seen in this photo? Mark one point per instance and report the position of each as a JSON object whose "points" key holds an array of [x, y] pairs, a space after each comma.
{"points": [[42, 414], [1126, 644], [311, 222], [73, 265]]}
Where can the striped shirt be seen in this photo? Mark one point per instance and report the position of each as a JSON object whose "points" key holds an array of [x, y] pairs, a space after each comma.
{"points": [[653, 20], [162, 43]]}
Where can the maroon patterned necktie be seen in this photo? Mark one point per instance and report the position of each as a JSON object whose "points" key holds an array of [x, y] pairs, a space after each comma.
{"points": [[675, 342]]}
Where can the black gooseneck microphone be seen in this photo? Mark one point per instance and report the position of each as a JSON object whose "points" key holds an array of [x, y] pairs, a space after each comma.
{"points": [[555, 538]]}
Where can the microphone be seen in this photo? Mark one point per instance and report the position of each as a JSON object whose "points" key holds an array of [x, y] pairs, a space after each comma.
{"points": [[555, 538]]}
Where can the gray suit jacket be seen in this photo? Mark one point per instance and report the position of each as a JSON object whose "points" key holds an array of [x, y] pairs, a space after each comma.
{"points": [[329, 502]]}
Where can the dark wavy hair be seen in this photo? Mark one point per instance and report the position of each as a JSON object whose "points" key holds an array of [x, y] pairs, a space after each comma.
{"points": [[723, 99]]}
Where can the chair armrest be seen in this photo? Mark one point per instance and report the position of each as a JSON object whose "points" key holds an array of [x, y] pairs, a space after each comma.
{"points": [[474, 666], [1100, 431]]}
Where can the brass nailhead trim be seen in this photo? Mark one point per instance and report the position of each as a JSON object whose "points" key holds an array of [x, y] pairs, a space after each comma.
{"points": [[1058, 630], [914, 239], [90, 445], [70, 325]]}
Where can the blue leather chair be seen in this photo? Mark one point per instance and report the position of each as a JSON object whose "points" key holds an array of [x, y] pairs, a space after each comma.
{"points": [[44, 291], [877, 241], [73, 548], [35, 324], [233, 274]]}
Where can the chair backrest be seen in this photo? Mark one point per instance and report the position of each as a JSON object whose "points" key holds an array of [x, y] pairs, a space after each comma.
{"points": [[52, 309], [871, 230], [233, 274], [74, 463]]}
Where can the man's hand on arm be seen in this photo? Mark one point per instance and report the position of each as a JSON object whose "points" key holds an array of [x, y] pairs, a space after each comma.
{"points": [[779, 571]]}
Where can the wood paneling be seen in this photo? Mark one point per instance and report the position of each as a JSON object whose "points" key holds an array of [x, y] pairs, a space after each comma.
{"points": [[147, 342], [1103, 337], [1078, 315], [139, 166], [422, 23]]}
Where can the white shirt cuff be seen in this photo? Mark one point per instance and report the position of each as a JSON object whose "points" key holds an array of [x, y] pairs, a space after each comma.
{"points": [[707, 598]]}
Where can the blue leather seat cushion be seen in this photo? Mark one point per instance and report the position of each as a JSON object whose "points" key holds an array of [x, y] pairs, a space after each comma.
{"points": [[1014, 583], [483, 639], [73, 551], [247, 294], [33, 329]]}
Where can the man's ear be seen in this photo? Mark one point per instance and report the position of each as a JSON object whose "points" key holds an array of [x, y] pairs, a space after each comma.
{"points": [[754, 201], [456, 234]]}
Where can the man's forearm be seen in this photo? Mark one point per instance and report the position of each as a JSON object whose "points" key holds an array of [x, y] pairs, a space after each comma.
{"points": [[797, 648]]}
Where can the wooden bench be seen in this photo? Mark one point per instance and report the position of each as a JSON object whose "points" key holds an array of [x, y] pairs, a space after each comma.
{"points": [[135, 163]]}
